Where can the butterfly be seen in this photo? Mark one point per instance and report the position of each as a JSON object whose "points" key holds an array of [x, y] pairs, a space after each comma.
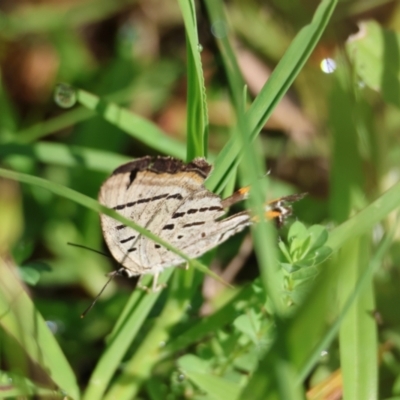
{"points": [[167, 197]]}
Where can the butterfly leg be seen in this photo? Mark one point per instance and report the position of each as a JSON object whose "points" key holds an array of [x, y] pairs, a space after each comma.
{"points": [[155, 287], [184, 266]]}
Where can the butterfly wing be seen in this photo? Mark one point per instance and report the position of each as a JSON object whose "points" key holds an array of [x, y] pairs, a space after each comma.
{"points": [[148, 191]]}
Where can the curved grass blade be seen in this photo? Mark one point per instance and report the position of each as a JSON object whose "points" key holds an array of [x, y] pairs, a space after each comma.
{"points": [[197, 116], [136, 126], [358, 331], [232, 70], [65, 155], [272, 92], [302, 340], [160, 79], [364, 278], [130, 321], [139, 368], [303, 332], [208, 325], [33, 345], [97, 207], [216, 387]]}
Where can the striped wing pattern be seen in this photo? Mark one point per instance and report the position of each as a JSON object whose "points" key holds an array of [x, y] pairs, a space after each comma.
{"points": [[168, 198]]}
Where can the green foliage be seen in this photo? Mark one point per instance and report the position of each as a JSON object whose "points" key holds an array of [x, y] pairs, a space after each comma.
{"points": [[317, 286]]}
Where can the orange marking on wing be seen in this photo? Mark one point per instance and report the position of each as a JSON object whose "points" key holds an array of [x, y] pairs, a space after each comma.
{"points": [[244, 190], [272, 214], [268, 215]]}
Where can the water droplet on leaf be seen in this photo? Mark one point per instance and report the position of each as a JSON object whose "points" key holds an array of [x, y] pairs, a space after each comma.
{"points": [[65, 95]]}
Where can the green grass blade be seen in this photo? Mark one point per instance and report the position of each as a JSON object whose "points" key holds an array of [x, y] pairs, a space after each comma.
{"points": [[358, 333], [65, 155], [97, 207], [276, 87], [366, 219], [158, 81], [364, 279], [139, 368], [197, 117], [216, 387], [126, 329], [232, 70], [264, 236], [207, 325], [302, 339], [304, 331], [274, 379], [136, 126], [33, 343], [52, 125]]}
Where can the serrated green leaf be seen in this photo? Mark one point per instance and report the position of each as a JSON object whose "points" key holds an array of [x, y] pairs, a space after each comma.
{"points": [[284, 250], [319, 236], [298, 247]]}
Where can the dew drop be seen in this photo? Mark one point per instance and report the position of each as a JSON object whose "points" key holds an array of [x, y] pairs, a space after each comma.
{"points": [[181, 377], [64, 95], [55, 326], [324, 354], [162, 344], [328, 65], [199, 48], [52, 325]]}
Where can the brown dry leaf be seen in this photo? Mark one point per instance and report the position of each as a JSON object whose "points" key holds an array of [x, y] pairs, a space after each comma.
{"points": [[30, 71], [329, 389]]}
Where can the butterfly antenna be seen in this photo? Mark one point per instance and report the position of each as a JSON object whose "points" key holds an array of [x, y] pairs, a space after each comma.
{"points": [[112, 275], [89, 248]]}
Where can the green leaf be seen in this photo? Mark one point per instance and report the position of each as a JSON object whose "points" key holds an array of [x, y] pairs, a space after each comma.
{"points": [[297, 231], [374, 52], [319, 236], [217, 388], [248, 324], [30, 273]]}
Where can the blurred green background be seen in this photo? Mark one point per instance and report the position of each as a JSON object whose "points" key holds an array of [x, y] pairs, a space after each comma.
{"points": [[334, 135]]}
